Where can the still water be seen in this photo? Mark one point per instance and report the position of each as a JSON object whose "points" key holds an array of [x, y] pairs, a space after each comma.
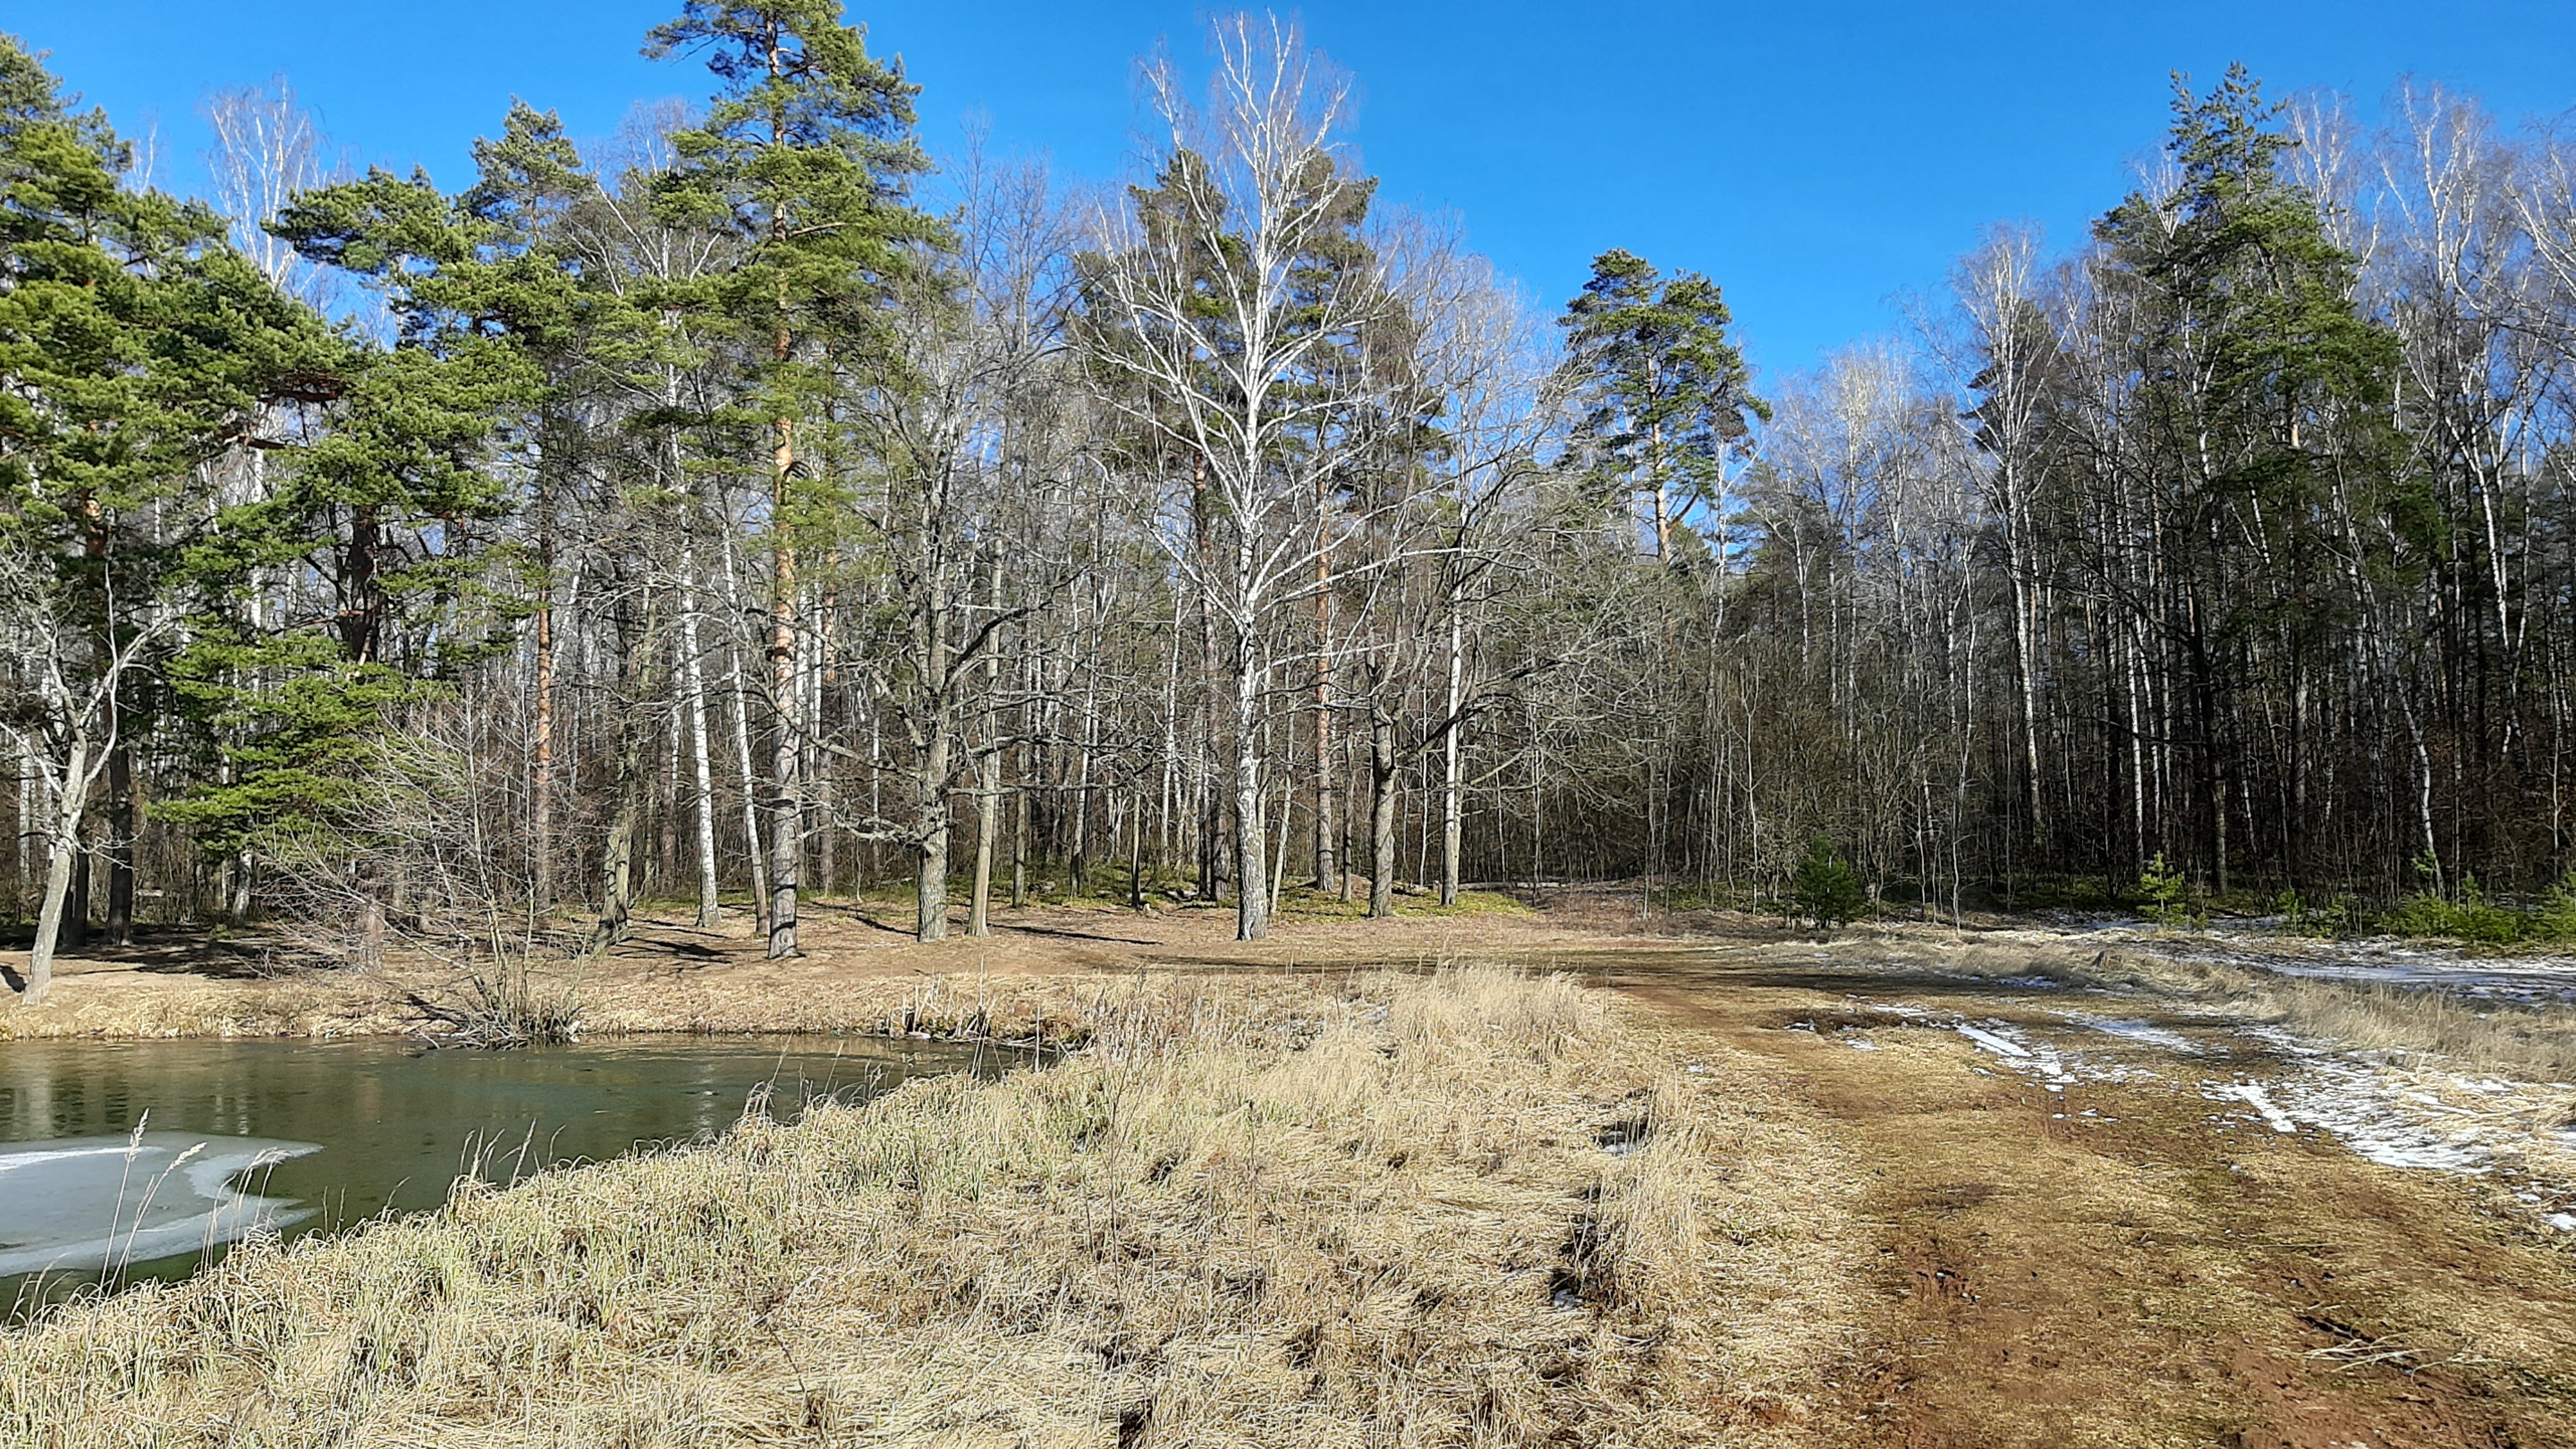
{"points": [[310, 1136]]}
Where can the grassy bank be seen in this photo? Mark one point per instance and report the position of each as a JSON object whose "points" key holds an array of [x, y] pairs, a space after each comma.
{"points": [[1479, 1208], [963, 1005]]}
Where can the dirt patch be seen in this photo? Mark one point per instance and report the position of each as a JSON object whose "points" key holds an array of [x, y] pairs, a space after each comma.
{"points": [[2105, 1265]]}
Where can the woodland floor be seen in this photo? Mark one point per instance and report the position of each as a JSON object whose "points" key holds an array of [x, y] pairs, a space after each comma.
{"points": [[2053, 1255]]}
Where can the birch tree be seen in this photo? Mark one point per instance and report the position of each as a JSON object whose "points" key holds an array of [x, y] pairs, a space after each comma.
{"points": [[1204, 298]]}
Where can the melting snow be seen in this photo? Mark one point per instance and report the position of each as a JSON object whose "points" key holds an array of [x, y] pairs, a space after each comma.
{"points": [[2355, 1102], [2136, 1031], [1992, 1042], [2261, 1101]]}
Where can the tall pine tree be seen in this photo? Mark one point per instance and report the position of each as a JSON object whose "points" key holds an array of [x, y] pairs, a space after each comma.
{"points": [[806, 158]]}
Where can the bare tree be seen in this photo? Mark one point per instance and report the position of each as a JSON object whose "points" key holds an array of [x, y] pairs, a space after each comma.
{"points": [[268, 150], [963, 433], [62, 711], [427, 863], [1212, 303]]}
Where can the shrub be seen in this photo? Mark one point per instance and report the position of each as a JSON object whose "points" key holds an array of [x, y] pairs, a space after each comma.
{"points": [[2160, 886], [2556, 918], [2472, 917], [1826, 889]]}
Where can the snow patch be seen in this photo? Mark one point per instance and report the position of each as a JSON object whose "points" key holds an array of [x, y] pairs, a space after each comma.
{"points": [[2139, 1032], [1992, 1041], [2261, 1101]]}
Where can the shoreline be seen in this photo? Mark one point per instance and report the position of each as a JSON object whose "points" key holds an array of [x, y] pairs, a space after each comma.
{"points": [[856, 977], [1480, 1202]]}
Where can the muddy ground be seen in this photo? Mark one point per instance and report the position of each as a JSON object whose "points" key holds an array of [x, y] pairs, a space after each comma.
{"points": [[2097, 1213], [2128, 1256]]}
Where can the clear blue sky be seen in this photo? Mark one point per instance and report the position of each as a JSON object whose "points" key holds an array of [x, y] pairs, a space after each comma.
{"points": [[1816, 157]]}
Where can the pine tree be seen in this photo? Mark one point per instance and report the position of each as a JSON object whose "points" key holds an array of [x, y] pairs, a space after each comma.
{"points": [[1663, 391], [396, 487], [2262, 424], [136, 348], [805, 158]]}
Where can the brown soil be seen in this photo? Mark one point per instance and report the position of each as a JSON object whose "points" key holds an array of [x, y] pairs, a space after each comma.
{"points": [[2145, 1275]]}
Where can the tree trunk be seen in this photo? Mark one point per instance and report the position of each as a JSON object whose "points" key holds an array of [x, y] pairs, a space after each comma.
{"points": [[542, 788], [930, 884], [1136, 859], [786, 811], [988, 828], [75, 932], [63, 850], [1327, 859], [750, 776], [1382, 771], [1020, 844], [617, 862], [1451, 822], [710, 908], [1078, 867], [819, 680], [666, 812], [1210, 801], [122, 818], [1251, 902]]}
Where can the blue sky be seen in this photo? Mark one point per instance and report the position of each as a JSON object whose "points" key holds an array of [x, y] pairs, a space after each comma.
{"points": [[1818, 159]]}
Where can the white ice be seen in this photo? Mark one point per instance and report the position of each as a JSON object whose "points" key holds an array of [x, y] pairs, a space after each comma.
{"points": [[2136, 1031], [2261, 1101], [84, 1203], [1998, 1045]]}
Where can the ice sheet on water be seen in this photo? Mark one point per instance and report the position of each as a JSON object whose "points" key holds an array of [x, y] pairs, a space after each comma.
{"points": [[83, 1203]]}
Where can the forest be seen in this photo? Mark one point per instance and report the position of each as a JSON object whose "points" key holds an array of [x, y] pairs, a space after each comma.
{"points": [[751, 509]]}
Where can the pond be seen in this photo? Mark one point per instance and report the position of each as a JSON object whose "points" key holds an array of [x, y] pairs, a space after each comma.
{"points": [[138, 1159]]}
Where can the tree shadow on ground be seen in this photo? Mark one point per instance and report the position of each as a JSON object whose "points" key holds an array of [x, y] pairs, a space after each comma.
{"points": [[160, 951]]}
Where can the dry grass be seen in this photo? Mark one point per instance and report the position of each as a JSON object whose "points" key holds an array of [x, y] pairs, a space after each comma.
{"points": [[312, 1004], [1482, 1208], [2483, 1037], [316, 1003]]}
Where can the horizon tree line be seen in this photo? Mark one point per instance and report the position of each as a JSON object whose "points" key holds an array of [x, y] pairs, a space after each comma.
{"points": [[748, 509]]}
